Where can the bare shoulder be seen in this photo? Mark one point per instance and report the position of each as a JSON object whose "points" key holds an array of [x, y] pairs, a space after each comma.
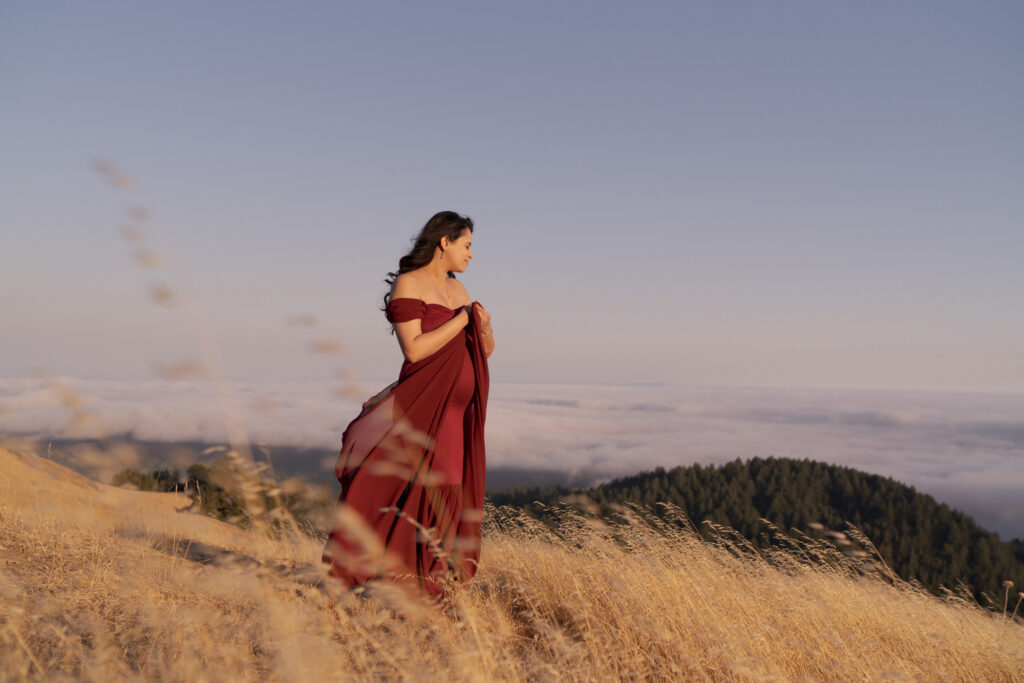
{"points": [[406, 286], [459, 290]]}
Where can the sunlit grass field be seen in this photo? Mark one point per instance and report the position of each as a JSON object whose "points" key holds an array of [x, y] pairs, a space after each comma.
{"points": [[102, 583]]}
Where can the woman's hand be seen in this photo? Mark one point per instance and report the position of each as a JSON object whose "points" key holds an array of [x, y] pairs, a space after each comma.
{"points": [[483, 317], [486, 333]]}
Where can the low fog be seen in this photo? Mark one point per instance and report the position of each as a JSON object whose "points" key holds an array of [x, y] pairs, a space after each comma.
{"points": [[966, 449]]}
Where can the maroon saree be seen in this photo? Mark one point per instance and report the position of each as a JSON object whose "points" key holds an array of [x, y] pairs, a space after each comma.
{"points": [[412, 468]]}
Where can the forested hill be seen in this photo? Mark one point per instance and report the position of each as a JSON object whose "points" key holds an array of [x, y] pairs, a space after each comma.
{"points": [[917, 536]]}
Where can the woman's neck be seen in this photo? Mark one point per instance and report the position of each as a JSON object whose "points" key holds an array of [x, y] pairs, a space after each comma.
{"points": [[436, 271]]}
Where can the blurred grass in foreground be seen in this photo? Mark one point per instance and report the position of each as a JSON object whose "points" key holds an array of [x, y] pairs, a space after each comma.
{"points": [[104, 583]]}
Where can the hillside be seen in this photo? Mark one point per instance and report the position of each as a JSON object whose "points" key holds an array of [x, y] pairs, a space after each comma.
{"points": [[103, 583], [920, 538]]}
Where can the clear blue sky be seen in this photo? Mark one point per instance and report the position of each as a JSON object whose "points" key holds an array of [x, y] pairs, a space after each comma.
{"points": [[785, 193]]}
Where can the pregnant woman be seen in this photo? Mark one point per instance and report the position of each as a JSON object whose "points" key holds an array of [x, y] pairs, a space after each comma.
{"points": [[412, 463]]}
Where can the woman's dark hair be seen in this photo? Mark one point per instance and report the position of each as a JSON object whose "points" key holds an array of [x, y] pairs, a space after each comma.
{"points": [[442, 224]]}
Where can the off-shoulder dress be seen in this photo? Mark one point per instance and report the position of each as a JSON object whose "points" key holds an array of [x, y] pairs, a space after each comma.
{"points": [[412, 467]]}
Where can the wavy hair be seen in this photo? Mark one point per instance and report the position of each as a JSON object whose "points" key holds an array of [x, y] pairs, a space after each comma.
{"points": [[442, 224]]}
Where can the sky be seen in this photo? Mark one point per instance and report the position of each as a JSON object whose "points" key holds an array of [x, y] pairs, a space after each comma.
{"points": [[786, 194]]}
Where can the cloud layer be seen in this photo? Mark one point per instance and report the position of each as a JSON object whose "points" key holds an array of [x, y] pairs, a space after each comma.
{"points": [[964, 448]]}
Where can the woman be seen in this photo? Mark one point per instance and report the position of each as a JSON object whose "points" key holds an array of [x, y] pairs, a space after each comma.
{"points": [[412, 463]]}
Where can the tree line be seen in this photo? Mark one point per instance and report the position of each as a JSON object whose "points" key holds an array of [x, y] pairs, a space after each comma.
{"points": [[918, 537]]}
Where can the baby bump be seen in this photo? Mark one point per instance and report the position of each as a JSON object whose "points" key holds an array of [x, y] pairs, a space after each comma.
{"points": [[448, 455]]}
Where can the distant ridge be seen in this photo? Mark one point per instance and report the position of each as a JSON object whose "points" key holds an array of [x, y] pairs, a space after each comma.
{"points": [[920, 538], [311, 465]]}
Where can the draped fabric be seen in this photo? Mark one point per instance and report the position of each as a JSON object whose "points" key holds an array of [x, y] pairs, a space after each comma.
{"points": [[412, 465]]}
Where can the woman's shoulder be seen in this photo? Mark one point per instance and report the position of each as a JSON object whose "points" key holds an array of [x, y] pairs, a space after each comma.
{"points": [[405, 302], [406, 287]]}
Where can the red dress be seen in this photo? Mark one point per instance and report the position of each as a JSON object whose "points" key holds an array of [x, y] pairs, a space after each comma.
{"points": [[412, 467]]}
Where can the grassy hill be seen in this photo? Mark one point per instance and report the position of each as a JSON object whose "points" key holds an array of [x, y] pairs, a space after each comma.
{"points": [[104, 583], [918, 537]]}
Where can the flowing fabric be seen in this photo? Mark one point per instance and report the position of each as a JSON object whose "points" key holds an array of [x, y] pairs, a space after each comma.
{"points": [[412, 466]]}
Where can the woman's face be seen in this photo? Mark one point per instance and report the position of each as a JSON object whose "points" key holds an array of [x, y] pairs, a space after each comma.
{"points": [[458, 252]]}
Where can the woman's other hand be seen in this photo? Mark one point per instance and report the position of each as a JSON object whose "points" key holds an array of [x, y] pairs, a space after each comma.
{"points": [[486, 333], [482, 316]]}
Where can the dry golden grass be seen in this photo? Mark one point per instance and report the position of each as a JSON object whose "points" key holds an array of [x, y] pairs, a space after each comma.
{"points": [[103, 583]]}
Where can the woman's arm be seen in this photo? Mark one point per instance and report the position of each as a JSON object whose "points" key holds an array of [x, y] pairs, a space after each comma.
{"points": [[417, 344]]}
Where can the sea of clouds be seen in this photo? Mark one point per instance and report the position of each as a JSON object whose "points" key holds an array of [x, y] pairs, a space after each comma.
{"points": [[966, 449]]}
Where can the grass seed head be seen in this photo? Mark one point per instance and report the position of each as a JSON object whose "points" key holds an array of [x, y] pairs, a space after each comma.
{"points": [[162, 295]]}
